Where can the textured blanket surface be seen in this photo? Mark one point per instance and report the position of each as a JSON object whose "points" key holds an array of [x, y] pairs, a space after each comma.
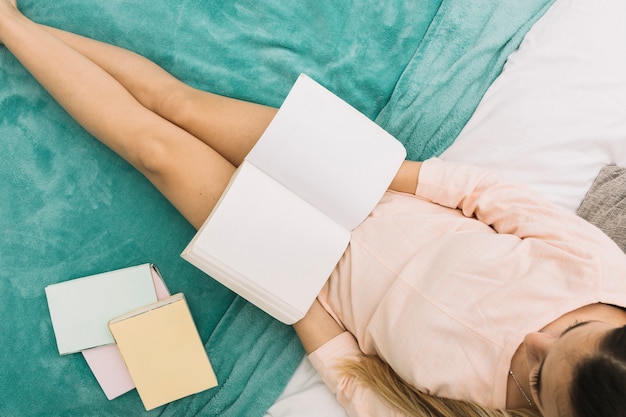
{"points": [[70, 207]]}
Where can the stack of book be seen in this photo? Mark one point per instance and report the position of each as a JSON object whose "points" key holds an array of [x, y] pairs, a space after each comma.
{"points": [[132, 333]]}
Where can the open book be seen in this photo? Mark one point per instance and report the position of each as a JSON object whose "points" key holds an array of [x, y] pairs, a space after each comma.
{"points": [[285, 219]]}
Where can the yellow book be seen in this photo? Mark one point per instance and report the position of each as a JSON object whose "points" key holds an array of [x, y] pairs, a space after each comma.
{"points": [[163, 351]]}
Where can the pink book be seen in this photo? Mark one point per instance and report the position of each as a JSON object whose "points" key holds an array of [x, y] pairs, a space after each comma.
{"points": [[107, 363]]}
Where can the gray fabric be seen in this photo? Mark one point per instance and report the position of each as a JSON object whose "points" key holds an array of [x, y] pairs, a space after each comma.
{"points": [[605, 203]]}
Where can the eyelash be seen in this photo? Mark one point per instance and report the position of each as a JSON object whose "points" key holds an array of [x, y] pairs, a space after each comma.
{"points": [[574, 324], [534, 381]]}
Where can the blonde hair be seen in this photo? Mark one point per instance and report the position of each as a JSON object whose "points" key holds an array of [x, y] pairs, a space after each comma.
{"points": [[378, 376]]}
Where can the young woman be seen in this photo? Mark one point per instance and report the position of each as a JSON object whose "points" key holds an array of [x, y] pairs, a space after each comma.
{"points": [[459, 296]]}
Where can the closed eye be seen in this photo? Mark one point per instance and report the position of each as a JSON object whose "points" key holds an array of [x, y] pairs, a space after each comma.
{"points": [[535, 381]]}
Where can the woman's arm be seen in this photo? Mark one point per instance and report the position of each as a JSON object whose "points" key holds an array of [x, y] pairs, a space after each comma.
{"points": [[316, 328], [406, 179], [330, 348], [506, 207]]}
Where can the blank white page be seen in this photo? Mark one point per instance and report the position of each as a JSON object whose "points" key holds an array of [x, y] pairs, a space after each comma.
{"points": [[329, 153], [272, 239]]}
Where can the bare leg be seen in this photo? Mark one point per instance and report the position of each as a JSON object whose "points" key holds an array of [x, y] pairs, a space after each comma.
{"points": [[209, 117], [188, 172]]}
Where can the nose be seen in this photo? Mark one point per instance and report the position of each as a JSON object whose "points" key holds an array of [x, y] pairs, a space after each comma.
{"points": [[537, 345]]}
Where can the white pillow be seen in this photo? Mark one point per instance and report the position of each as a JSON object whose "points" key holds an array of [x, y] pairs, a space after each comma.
{"points": [[557, 113]]}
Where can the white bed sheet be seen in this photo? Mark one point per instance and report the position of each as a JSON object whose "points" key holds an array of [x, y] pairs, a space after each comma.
{"points": [[557, 113], [553, 118]]}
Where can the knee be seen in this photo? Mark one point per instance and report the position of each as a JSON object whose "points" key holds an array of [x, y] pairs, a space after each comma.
{"points": [[175, 102], [152, 158]]}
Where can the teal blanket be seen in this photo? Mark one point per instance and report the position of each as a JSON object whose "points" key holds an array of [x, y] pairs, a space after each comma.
{"points": [[71, 208]]}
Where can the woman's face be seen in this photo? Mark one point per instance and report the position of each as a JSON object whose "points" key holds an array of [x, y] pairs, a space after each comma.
{"points": [[551, 361]]}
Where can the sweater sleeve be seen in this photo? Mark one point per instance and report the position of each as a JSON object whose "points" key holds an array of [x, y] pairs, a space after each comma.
{"points": [[505, 207], [356, 398]]}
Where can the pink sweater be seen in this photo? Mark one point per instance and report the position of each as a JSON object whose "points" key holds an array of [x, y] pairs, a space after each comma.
{"points": [[445, 292]]}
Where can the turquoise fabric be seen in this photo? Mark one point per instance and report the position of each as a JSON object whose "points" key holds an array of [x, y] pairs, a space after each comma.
{"points": [[70, 207]]}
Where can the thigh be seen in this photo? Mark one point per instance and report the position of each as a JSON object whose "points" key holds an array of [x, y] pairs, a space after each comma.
{"points": [[228, 125]]}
